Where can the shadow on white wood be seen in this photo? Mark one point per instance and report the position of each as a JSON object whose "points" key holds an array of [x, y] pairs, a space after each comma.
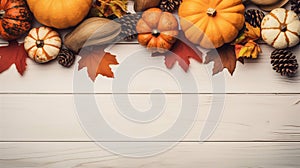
{"points": [[254, 77]]}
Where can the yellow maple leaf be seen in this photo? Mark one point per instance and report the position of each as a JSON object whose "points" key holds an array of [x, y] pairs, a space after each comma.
{"points": [[250, 33], [249, 50]]}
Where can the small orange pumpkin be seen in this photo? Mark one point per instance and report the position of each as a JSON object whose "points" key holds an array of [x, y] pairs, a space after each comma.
{"points": [[15, 19], [211, 23], [157, 30]]}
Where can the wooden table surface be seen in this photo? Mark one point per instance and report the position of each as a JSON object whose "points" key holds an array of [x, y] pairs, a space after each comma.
{"points": [[259, 123]]}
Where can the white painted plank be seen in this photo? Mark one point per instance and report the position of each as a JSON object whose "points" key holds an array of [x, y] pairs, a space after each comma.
{"points": [[89, 155], [53, 117], [140, 73]]}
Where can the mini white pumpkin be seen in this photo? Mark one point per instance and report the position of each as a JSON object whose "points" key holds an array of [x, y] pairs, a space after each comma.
{"points": [[281, 28], [42, 44]]}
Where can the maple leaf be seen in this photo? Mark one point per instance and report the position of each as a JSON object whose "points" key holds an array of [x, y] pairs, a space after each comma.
{"points": [[97, 61], [249, 50], [13, 54], [181, 52], [249, 33], [223, 57]]}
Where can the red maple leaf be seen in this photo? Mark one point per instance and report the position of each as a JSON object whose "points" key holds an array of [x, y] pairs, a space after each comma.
{"points": [[181, 52], [97, 61], [13, 54], [223, 57]]}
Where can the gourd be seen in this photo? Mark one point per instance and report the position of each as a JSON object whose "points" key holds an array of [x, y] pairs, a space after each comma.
{"points": [[281, 28], [141, 5], [211, 23], [15, 19], [92, 31], [42, 44], [157, 30], [59, 14]]}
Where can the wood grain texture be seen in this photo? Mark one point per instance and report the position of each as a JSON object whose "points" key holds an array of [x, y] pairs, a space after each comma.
{"points": [[246, 117], [254, 77], [89, 155], [259, 127]]}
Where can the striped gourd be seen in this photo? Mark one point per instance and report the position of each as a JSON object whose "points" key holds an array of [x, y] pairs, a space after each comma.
{"points": [[42, 44], [281, 28]]}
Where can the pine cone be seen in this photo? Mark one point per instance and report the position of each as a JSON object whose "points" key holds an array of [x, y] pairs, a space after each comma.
{"points": [[170, 5], [66, 57], [284, 62], [254, 17], [128, 23], [295, 6]]}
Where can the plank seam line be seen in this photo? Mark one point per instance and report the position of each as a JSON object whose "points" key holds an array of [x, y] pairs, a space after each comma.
{"points": [[144, 93], [255, 141]]}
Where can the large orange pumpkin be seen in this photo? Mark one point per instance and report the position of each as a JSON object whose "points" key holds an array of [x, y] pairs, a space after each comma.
{"points": [[211, 23], [15, 19], [157, 30], [60, 13]]}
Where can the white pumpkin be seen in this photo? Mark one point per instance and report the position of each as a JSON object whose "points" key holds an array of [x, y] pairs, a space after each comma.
{"points": [[42, 44], [281, 28]]}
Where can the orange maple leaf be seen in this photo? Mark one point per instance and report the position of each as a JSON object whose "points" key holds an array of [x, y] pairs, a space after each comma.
{"points": [[223, 57], [97, 61]]}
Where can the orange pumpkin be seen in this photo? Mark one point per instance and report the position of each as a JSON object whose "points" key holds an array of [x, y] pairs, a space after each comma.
{"points": [[157, 30], [211, 23], [15, 19], [60, 13]]}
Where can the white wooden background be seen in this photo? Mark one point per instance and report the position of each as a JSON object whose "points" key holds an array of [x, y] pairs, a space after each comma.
{"points": [[260, 124]]}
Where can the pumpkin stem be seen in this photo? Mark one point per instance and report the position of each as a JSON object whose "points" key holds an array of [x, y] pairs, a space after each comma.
{"points": [[40, 43], [155, 33], [211, 12], [2, 14], [283, 28]]}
